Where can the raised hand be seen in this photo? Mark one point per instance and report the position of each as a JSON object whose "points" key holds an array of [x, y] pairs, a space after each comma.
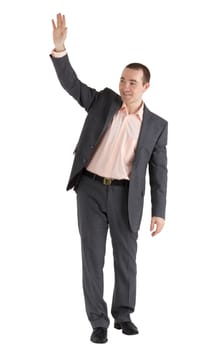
{"points": [[59, 32]]}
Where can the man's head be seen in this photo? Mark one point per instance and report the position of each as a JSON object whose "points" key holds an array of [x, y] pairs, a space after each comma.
{"points": [[133, 83]]}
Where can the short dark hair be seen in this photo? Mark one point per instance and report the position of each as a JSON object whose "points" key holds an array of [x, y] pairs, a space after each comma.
{"points": [[145, 70]]}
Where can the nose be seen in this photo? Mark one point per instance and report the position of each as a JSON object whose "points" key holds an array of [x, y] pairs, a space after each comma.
{"points": [[126, 86]]}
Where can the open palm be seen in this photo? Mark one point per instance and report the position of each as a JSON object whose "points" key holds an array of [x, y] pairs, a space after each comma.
{"points": [[59, 32]]}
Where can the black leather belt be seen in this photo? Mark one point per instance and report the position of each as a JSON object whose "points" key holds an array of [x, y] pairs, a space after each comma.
{"points": [[105, 180]]}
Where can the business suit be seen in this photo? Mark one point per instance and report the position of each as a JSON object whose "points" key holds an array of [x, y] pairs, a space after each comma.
{"points": [[151, 148], [151, 151]]}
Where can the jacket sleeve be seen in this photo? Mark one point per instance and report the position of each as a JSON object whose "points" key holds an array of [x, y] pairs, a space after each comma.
{"points": [[82, 93], [158, 174]]}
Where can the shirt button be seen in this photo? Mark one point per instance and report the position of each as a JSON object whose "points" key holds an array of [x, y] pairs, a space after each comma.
{"points": [[92, 146], [84, 160]]}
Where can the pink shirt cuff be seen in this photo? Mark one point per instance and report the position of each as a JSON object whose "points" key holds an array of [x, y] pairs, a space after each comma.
{"points": [[59, 54]]}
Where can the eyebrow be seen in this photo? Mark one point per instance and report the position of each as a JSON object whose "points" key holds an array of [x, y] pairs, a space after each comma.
{"points": [[133, 80]]}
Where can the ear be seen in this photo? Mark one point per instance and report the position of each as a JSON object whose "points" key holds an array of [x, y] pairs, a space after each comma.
{"points": [[146, 86]]}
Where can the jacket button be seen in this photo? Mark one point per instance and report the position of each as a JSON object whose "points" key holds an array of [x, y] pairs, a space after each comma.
{"points": [[92, 146], [84, 160]]}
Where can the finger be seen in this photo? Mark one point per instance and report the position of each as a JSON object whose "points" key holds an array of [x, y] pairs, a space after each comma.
{"points": [[59, 20], [156, 231], [152, 225], [159, 228], [54, 24], [64, 21]]}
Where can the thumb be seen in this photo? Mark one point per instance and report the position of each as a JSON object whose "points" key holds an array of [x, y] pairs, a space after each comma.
{"points": [[152, 224]]}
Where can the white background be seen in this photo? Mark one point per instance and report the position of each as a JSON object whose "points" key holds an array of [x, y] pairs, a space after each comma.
{"points": [[41, 299]]}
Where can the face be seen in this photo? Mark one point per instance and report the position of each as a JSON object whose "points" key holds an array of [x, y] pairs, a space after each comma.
{"points": [[131, 86]]}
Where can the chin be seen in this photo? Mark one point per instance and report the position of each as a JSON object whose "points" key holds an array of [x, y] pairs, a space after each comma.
{"points": [[125, 98]]}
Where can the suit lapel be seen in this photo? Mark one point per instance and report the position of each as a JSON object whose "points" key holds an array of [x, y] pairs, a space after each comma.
{"points": [[115, 106], [144, 132]]}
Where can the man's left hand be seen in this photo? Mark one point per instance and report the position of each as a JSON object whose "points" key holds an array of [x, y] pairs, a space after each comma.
{"points": [[156, 225]]}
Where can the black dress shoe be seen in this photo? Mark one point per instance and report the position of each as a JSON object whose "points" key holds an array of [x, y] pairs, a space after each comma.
{"points": [[127, 327], [99, 335]]}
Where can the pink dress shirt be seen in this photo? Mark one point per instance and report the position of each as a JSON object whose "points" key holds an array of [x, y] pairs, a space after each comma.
{"points": [[115, 153]]}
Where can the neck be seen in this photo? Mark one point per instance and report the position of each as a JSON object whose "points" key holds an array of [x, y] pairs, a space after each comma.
{"points": [[134, 107]]}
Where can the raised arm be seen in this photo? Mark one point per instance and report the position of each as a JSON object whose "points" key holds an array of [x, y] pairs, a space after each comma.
{"points": [[69, 80]]}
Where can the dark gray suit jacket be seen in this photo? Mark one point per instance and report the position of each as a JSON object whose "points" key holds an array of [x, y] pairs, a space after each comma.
{"points": [[151, 148]]}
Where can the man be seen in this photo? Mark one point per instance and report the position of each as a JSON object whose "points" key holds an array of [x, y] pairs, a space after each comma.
{"points": [[119, 139]]}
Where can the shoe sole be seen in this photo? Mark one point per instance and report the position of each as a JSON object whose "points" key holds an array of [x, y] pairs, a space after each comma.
{"points": [[117, 326], [98, 342]]}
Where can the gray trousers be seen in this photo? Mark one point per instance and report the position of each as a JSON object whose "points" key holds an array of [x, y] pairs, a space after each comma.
{"points": [[101, 207]]}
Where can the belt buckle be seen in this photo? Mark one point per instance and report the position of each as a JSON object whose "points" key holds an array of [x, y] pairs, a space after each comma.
{"points": [[107, 181]]}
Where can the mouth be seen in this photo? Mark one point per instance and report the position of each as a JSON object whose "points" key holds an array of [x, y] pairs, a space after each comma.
{"points": [[126, 95]]}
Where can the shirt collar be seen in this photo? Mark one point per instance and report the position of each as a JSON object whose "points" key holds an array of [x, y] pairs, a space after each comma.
{"points": [[138, 113]]}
